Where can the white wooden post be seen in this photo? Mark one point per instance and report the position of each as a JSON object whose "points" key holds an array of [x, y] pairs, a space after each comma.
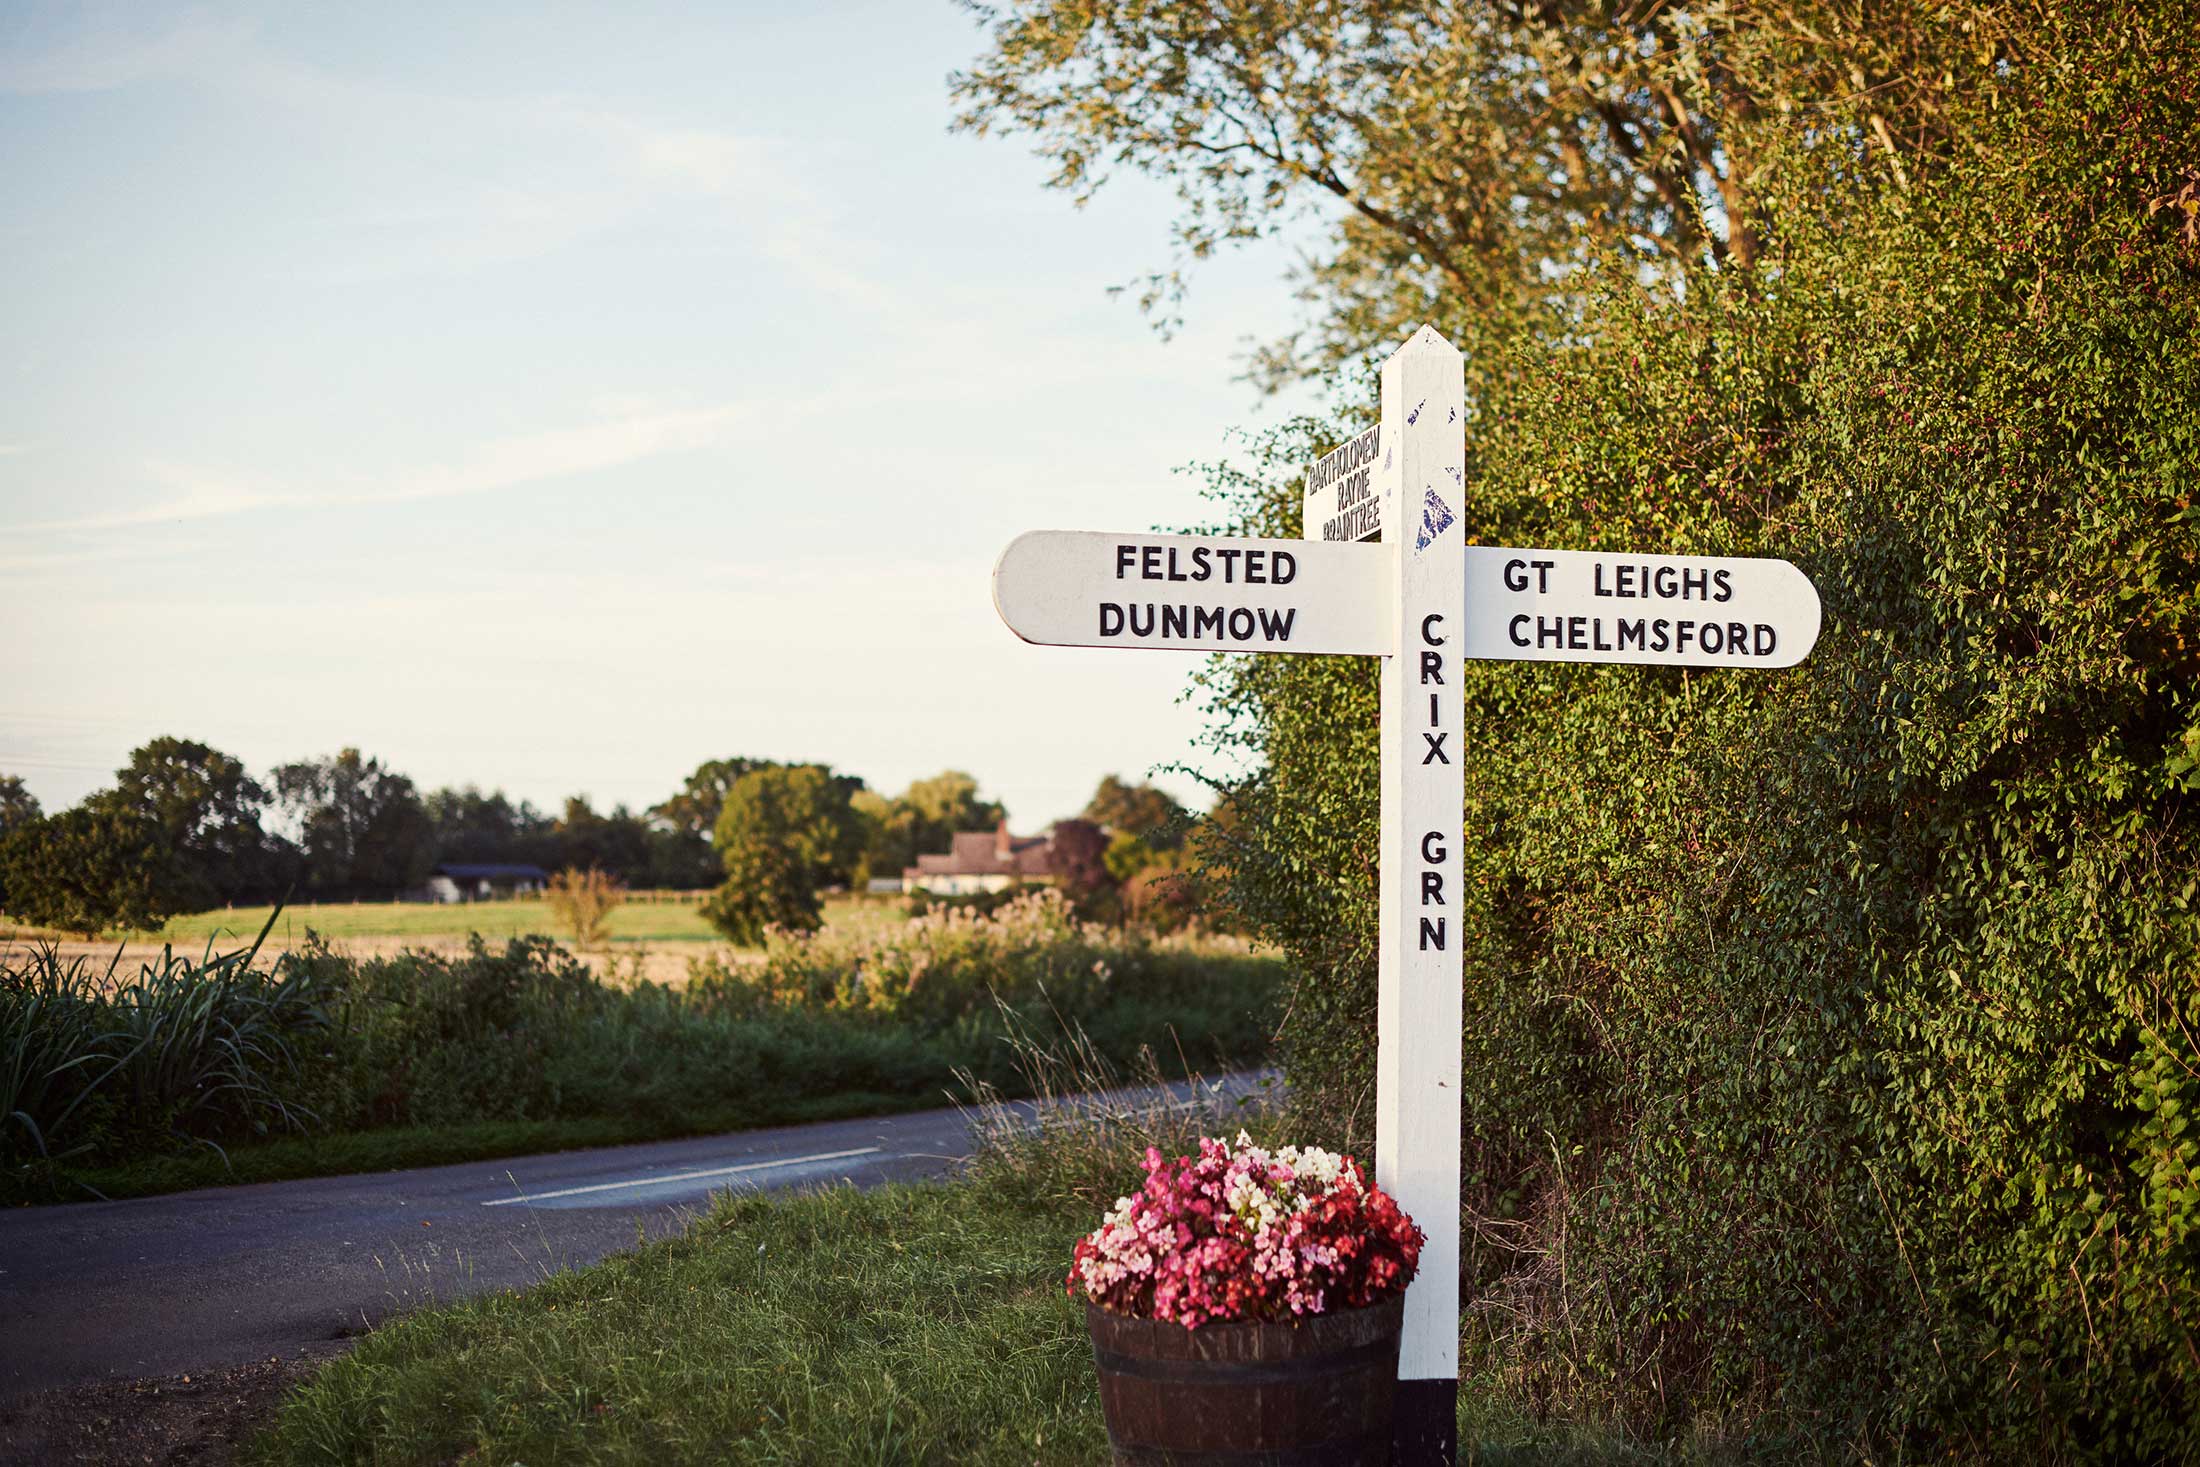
{"points": [[1418, 1003]]}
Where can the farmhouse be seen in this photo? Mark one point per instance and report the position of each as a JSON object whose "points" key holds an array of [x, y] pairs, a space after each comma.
{"points": [[459, 882], [984, 860]]}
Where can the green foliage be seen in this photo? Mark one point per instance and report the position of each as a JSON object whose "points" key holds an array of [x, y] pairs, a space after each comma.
{"points": [[205, 1051], [109, 1079], [922, 820], [1139, 810], [785, 833], [956, 967], [362, 827], [91, 868], [210, 810], [18, 808], [1831, 1033], [1475, 154]]}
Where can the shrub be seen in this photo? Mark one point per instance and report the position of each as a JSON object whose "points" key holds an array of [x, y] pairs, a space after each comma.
{"points": [[87, 869], [583, 902], [1830, 1034], [196, 1050]]}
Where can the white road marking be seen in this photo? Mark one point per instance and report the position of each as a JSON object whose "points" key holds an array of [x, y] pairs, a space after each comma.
{"points": [[723, 1171]]}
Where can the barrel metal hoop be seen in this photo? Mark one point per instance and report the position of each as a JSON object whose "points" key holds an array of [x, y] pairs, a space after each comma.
{"points": [[1248, 1372], [1314, 1454]]}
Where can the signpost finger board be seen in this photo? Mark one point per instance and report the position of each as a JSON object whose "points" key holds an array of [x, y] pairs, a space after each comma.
{"points": [[1424, 602]]}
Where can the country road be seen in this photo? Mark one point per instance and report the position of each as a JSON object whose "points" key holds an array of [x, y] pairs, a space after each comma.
{"points": [[201, 1280]]}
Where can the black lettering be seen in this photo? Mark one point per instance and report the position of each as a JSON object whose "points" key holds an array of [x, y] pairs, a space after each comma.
{"points": [[1432, 668], [1632, 631], [1174, 620], [1283, 567], [1662, 635], [1432, 930], [1712, 637], [1682, 631], [1623, 581], [1432, 888], [1596, 635], [1666, 580], [1200, 568], [1724, 580], [1243, 631], [1229, 563], [1276, 626], [1428, 636], [1256, 570], [1543, 575], [1111, 619], [1435, 709], [1147, 629], [1174, 573], [1435, 754], [1517, 568], [1149, 562], [1433, 838], [1207, 622], [1695, 584], [1577, 634], [1598, 580], [1765, 641], [1125, 557], [1550, 631], [1513, 630], [1737, 638]]}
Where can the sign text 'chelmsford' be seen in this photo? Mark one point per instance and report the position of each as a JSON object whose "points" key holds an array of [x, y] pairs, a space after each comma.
{"points": [[1183, 621]]}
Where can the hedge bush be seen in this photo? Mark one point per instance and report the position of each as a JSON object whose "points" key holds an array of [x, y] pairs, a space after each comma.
{"points": [[1832, 1034]]}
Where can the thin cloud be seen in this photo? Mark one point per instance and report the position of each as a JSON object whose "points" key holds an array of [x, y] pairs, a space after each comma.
{"points": [[505, 463]]}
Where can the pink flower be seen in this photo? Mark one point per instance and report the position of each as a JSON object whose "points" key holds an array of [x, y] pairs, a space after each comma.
{"points": [[1242, 1233]]}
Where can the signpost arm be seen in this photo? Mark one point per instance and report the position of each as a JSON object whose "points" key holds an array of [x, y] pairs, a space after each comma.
{"points": [[1419, 1001]]}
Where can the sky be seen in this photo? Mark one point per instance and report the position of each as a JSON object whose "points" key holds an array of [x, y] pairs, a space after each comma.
{"points": [[553, 397]]}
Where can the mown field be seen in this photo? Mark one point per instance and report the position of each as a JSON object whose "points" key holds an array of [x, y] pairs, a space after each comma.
{"points": [[631, 922]]}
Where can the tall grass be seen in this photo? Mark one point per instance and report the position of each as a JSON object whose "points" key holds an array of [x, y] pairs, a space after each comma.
{"points": [[197, 1050], [109, 1075]]}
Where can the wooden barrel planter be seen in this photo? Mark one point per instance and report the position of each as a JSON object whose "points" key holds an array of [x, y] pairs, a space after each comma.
{"points": [[1312, 1394]]}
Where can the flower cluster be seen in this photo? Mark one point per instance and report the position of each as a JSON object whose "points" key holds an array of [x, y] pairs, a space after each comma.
{"points": [[1245, 1233]]}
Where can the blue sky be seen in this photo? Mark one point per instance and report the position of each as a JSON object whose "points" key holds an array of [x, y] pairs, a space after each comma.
{"points": [[552, 397]]}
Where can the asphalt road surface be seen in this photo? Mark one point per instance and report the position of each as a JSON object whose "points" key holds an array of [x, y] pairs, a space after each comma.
{"points": [[201, 1280]]}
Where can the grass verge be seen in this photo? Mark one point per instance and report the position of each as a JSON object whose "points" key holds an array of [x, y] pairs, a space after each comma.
{"points": [[909, 1324]]}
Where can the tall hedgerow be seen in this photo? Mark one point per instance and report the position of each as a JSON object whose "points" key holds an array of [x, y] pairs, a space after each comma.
{"points": [[1832, 1035]]}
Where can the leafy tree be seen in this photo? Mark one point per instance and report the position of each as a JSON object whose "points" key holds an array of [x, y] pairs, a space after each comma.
{"points": [[18, 806], [617, 843], [694, 808], [94, 867], [210, 809], [470, 826], [923, 819], [1140, 810], [1079, 856], [1472, 156], [362, 827], [785, 833]]}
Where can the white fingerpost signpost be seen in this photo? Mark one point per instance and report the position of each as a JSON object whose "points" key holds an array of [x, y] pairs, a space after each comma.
{"points": [[1382, 570]]}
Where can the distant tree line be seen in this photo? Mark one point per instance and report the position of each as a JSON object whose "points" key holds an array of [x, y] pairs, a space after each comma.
{"points": [[186, 827]]}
